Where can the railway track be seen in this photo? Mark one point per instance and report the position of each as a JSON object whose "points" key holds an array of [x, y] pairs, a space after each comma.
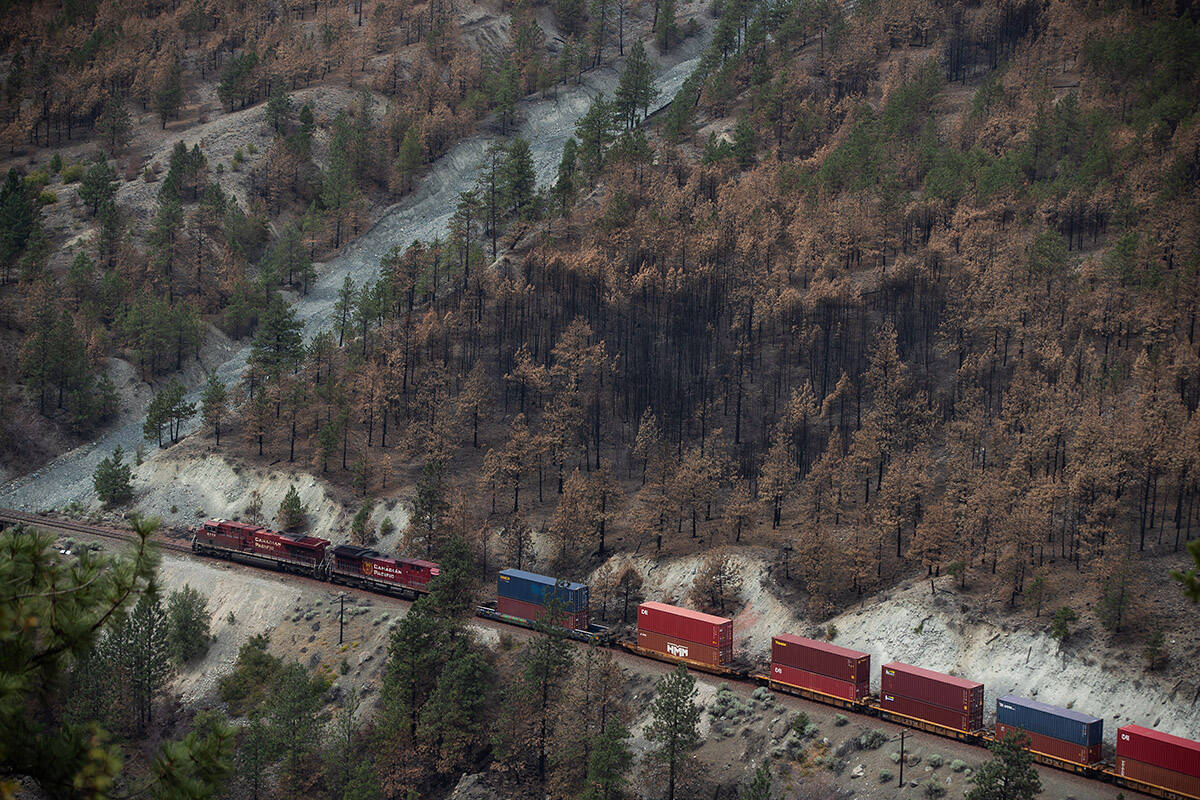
{"points": [[1098, 772], [72, 526]]}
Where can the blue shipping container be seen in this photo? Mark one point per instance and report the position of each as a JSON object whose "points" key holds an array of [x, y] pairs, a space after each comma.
{"points": [[1058, 723], [529, 587]]}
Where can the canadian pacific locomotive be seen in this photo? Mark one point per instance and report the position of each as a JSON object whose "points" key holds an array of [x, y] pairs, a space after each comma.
{"points": [[314, 557]]}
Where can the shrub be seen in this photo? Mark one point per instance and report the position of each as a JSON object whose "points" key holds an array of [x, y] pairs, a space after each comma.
{"points": [[251, 149], [895, 756], [56, 163], [840, 719], [935, 761], [831, 632], [387, 527], [245, 688], [958, 765], [72, 173], [872, 739], [932, 789], [47, 198], [38, 178], [884, 776]]}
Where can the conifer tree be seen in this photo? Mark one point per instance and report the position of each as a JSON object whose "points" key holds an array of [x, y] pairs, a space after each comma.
{"points": [[98, 185], [293, 515], [636, 90], [674, 727], [666, 28], [609, 763], [88, 597], [113, 479], [168, 95], [188, 620], [213, 404], [564, 184], [1009, 775], [518, 178], [114, 125], [293, 710]]}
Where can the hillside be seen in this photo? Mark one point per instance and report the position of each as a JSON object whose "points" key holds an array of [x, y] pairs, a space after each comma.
{"points": [[174, 168], [871, 322]]}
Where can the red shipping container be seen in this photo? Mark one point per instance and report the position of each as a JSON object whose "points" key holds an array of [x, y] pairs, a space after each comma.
{"points": [[1158, 776], [947, 717], [1160, 749], [683, 623], [935, 688], [821, 657], [532, 611], [1078, 753], [820, 683], [681, 648]]}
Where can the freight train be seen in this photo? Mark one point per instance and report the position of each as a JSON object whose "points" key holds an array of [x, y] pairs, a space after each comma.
{"points": [[1147, 760]]}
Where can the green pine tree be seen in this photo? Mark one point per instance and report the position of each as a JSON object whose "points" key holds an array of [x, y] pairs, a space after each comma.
{"points": [[1190, 580], [188, 620], [518, 179], [278, 345], [609, 763], [214, 404], [673, 730], [292, 516], [564, 185], [98, 184], [361, 530], [112, 479], [293, 712], [1010, 775], [88, 597], [636, 89], [594, 131], [168, 95], [452, 719]]}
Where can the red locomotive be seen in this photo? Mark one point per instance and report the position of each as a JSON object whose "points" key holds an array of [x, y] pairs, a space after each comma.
{"points": [[370, 569], [242, 541], [310, 555]]}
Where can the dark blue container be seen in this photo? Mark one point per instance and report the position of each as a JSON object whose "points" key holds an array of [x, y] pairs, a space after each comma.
{"points": [[1057, 723], [529, 587]]}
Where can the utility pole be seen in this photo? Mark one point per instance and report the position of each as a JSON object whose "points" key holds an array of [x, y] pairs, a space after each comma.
{"points": [[903, 733], [342, 627]]}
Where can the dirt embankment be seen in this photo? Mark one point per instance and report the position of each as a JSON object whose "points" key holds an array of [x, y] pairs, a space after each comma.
{"points": [[947, 632]]}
